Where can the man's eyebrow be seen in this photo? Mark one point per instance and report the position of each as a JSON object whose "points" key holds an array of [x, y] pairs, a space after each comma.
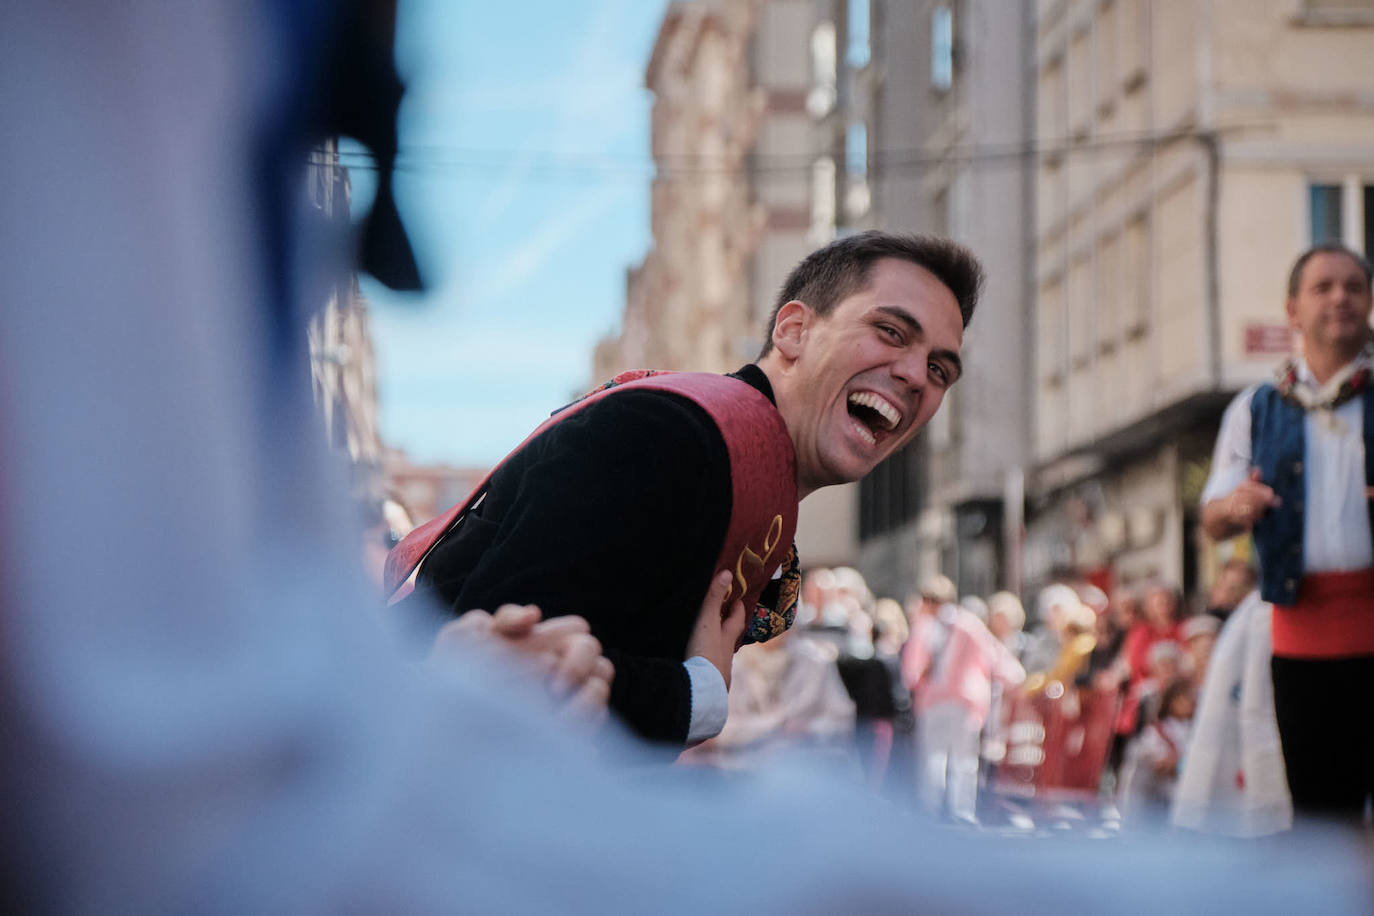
{"points": [[904, 317], [910, 321]]}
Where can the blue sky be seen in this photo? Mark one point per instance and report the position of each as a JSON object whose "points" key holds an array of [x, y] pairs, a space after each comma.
{"points": [[526, 194]]}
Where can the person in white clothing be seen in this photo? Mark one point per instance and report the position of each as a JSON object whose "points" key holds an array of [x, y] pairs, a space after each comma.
{"points": [[1153, 758], [1232, 779]]}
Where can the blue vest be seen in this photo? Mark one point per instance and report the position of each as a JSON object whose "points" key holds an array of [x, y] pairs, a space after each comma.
{"points": [[1277, 442]]}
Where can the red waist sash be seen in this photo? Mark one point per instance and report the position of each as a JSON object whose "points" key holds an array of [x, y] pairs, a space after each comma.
{"points": [[1334, 617]]}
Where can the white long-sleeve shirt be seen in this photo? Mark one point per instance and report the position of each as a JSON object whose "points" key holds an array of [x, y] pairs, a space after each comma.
{"points": [[1335, 516]]}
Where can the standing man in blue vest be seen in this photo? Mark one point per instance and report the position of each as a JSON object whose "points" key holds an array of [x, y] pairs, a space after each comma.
{"points": [[1293, 466]]}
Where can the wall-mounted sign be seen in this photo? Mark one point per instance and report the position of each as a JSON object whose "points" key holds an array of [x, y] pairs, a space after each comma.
{"points": [[1268, 339]]}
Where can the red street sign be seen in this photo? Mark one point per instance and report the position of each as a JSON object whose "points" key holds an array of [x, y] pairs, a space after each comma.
{"points": [[1268, 339]]}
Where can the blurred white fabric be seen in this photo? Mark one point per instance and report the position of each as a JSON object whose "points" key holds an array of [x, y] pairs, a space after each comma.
{"points": [[199, 711], [1235, 733], [786, 697]]}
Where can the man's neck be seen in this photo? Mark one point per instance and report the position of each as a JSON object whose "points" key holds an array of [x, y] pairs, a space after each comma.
{"points": [[768, 365], [1323, 363], [771, 365]]}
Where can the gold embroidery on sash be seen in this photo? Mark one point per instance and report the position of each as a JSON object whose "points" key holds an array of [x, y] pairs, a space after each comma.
{"points": [[770, 541]]}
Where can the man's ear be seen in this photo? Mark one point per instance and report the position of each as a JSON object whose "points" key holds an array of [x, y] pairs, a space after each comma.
{"points": [[789, 330], [1290, 308]]}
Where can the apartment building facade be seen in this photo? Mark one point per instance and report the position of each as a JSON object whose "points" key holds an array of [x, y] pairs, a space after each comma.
{"points": [[342, 360], [951, 122], [1187, 152], [687, 303], [733, 207]]}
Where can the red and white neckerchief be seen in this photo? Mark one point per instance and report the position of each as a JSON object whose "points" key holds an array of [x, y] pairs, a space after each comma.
{"points": [[1346, 384]]}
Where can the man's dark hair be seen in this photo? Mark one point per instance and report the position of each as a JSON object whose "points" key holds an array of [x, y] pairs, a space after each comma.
{"points": [[841, 268], [1295, 275]]}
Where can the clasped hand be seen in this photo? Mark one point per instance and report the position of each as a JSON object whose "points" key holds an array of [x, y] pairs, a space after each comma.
{"points": [[561, 649]]}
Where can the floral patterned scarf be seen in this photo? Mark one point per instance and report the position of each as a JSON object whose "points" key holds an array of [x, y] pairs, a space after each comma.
{"points": [[1341, 387]]}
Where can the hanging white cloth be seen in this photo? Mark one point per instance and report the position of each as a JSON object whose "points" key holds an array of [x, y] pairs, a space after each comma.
{"points": [[1233, 781]]}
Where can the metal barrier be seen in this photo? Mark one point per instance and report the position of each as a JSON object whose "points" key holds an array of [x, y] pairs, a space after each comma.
{"points": [[1057, 741]]}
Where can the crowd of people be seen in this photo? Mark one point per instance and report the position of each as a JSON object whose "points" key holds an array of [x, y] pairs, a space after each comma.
{"points": [[963, 707]]}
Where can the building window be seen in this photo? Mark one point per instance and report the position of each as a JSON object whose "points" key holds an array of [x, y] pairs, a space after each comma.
{"points": [[856, 150], [859, 52], [823, 71], [822, 200], [1324, 201], [1336, 13], [857, 198], [1367, 202], [942, 47], [1342, 212]]}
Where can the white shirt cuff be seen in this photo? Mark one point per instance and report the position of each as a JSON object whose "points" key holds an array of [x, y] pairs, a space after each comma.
{"points": [[710, 701]]}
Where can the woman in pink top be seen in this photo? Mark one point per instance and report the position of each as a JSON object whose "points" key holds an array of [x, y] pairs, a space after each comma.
{"points": [[953, 704]]}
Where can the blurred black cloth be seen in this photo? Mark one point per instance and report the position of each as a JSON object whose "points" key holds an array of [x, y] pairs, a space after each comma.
{"points": [[1326, 729], [869, 682]]}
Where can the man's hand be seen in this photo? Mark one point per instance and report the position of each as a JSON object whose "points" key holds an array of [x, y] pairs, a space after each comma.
{"points": [[1238, 512], [718, 632], [562, 649], [1249, 500]]}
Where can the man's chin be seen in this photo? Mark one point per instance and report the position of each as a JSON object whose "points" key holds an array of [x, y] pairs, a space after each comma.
{"points": [[859, 469], [852, 463]]}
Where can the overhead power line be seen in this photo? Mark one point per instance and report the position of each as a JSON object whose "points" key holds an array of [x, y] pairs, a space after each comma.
{"points": [[537, 163]]}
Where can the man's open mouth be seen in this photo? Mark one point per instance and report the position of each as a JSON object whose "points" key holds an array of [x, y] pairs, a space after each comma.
{"points": [[876, 415]]}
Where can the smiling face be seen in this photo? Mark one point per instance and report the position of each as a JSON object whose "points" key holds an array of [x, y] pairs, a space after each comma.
{"points": [[1160, 608], [1332, 304], [855, 385]]}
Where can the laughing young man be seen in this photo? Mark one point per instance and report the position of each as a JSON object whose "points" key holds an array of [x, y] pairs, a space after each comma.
{"points": [[662, 507]]}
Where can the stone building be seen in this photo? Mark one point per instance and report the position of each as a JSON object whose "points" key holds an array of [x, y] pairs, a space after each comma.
{"points": [[739, 155], [952, 120], [342, 361], [687, 303], [1187, 152]]}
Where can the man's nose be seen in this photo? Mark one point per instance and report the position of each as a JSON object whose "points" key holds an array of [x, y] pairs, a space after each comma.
{"points": [[910, 369]]}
